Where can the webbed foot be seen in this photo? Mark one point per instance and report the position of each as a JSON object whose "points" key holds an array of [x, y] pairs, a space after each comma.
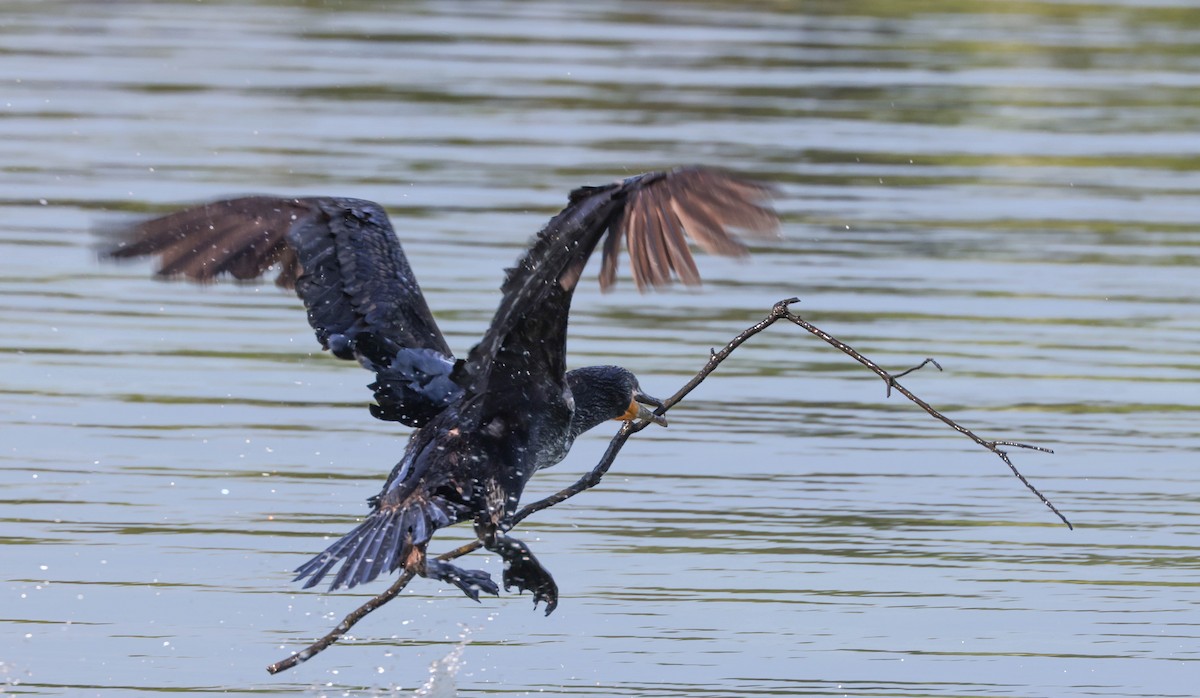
{"points": [[471, 582], [521, 569], [524, 572]]}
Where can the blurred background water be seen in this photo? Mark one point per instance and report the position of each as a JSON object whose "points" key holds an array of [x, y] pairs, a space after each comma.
{"points": [[1010, 187]]}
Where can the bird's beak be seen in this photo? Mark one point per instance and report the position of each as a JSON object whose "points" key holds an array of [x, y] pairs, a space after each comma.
{"points": [[639, 408]]}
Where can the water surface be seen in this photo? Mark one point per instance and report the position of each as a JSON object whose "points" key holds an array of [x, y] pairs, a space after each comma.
{"points": [[1010, 187]]}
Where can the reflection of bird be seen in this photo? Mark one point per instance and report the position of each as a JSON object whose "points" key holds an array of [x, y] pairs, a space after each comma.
{"points": [[488, 422]]}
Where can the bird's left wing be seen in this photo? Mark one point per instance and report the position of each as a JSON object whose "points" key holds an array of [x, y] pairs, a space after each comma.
{"points": [[655, 214], [344, 261]]}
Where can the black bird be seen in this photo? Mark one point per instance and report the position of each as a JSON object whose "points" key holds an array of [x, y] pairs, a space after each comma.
{"points": [[485, 423]]}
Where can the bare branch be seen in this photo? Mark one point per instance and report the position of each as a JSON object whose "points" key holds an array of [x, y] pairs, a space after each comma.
{"points": [[780, 311], [343, 627], [890, 380]]}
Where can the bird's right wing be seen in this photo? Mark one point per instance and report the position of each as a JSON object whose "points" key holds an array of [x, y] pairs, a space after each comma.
{"points": [[344, 261]]}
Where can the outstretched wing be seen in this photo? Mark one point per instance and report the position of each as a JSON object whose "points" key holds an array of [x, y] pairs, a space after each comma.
{"points": [[655, 213], [344, 261]]}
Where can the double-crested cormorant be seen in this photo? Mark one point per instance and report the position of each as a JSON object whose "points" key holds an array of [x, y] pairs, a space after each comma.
{"points": [[485, 423]]}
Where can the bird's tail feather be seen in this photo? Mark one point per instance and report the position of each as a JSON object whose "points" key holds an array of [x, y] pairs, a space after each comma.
{"points": [[381, 543]]}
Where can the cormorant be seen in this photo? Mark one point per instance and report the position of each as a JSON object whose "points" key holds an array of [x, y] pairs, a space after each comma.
{"points": [[488, 422]]}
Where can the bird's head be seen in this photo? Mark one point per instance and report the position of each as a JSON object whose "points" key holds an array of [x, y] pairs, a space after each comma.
{"points": [[609, 392]]}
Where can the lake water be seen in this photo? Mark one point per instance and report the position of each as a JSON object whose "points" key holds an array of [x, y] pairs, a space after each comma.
{"points": [[1010, 187]]}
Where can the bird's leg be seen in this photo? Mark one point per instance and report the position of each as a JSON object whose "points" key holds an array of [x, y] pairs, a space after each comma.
{"points": [[471, 582], [521, 568]]}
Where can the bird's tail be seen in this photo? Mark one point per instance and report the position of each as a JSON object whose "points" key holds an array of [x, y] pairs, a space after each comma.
{"points": [[381, 543]]}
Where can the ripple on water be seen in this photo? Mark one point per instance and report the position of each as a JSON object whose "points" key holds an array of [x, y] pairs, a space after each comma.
{"points": [[1007, 187]]}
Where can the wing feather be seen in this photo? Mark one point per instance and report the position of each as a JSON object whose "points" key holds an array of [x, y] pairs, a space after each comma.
{"points": [[675, 242], [611, 253], [700, 203]]}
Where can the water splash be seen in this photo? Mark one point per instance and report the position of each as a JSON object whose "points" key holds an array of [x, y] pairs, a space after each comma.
{"points": [[442, 672]]}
